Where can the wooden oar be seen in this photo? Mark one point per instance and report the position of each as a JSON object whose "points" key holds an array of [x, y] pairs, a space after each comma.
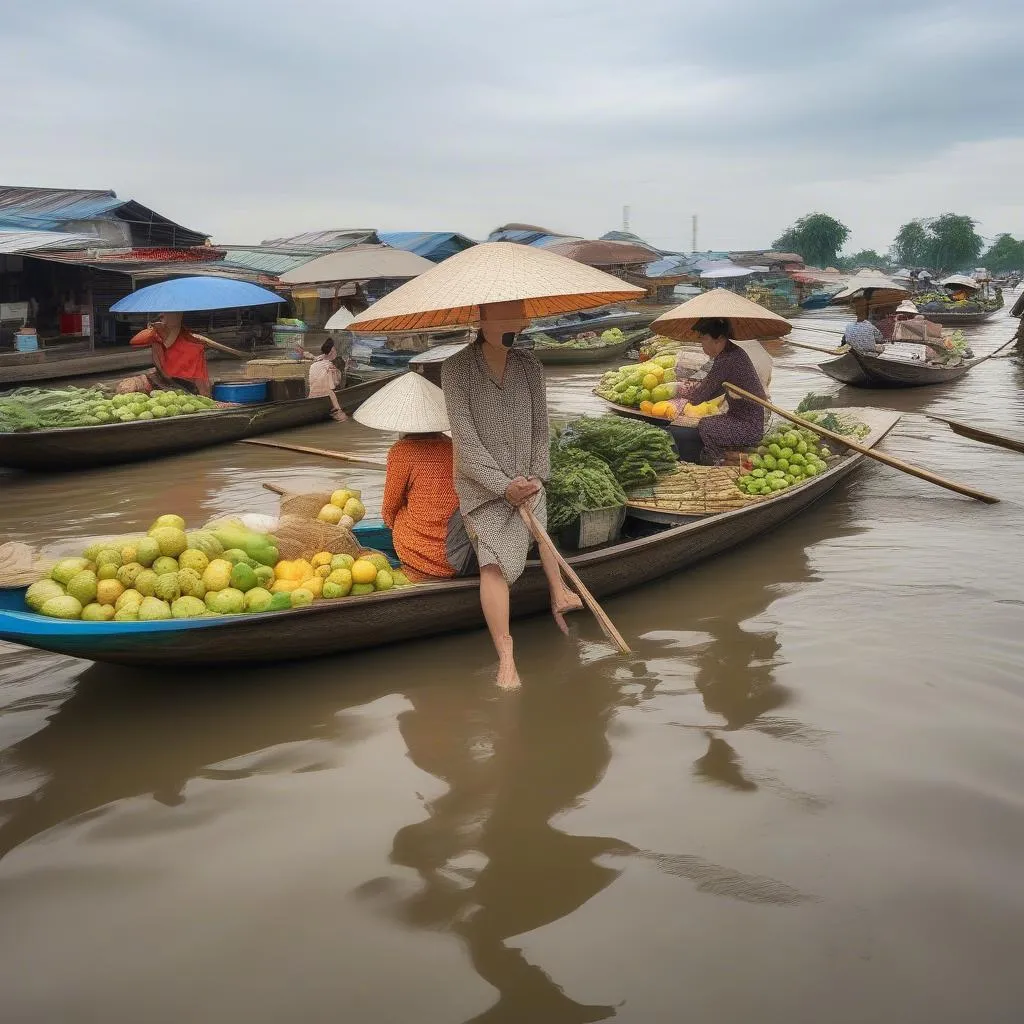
{"points": [[542, 539], [356, 460], [221, 348], [814, 348], [1013, 444], [905, 467]]}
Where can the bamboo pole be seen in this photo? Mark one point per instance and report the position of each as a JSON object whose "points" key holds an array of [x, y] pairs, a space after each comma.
{"points": [[356, 460], [545, 542], [888, 460]]}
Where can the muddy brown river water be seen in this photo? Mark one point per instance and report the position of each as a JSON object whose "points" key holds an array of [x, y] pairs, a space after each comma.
{"points": [[800, 800]]}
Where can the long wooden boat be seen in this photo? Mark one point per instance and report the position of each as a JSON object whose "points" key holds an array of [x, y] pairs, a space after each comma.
{"points": [[574, 323], [962, 319], [562, 355], [73, 448], [1013, 444], [331, 627], [888, 372]]}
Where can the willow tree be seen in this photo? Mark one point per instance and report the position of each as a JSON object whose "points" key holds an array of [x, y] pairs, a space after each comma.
{"points": [[817, 237]]}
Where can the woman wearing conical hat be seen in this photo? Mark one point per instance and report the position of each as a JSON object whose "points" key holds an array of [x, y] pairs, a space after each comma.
{"points": [[420, 505], [496, 401]]}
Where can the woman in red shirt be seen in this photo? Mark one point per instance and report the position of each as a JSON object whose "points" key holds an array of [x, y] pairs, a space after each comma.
{"points": [[179, 358]]}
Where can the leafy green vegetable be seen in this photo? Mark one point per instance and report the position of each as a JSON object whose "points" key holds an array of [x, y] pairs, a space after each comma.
{"points": [[636, 452], [579, 482]]}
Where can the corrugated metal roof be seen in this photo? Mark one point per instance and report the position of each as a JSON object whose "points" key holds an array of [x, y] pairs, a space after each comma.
{"points": [[432, 245], [50, 207], [336, 238], [37, 241], [269, 260]]}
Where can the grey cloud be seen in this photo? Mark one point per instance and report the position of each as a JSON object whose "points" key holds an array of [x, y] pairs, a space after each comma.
{"points": [[253, 118]]}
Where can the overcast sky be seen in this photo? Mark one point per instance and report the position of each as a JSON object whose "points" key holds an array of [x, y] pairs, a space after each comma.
{"points": [[250, 119]]}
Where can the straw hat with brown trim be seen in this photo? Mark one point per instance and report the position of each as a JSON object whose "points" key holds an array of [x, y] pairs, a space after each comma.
{"points": [[874, 287], [452, 293], [409, 405], [961, 281], [747, 320]]}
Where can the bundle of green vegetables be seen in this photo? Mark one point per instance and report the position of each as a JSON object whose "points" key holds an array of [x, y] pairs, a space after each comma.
{"points": [[39, 408], [636, 452], [579, 482]]}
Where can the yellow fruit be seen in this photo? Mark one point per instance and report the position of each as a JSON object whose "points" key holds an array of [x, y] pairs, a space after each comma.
{"points": [[108, 591], [301, 597], [650, 381], [297, 570], [363, 571], [321, 558], [338, 498], [379, 560], [107, 571], [129, 599], [354, 508], [342, 562], [330, 514], [323, 571], [315, 585], [129, 554], [285, 586]]}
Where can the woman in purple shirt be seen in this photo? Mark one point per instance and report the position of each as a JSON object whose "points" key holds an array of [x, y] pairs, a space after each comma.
{"points": [[743, 425]]}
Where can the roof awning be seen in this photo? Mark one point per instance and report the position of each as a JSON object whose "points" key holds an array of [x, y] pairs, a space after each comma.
{"points": [[359, 263]]}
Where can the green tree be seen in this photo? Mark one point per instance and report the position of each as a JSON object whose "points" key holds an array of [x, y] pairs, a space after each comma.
{"points": [[1005, 254], [910, 246], [953, 244], [864, 258], [817, 237]]}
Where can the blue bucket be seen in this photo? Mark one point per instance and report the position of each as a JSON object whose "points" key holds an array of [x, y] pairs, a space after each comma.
{"points": [[241, 392], [26, 342]]}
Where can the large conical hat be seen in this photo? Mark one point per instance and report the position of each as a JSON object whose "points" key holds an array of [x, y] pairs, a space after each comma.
{"points": [[871, 285], [408, 405], [452, 293], [747, 320]]}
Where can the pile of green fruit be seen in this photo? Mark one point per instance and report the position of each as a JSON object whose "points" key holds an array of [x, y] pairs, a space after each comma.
{"points": [[138, 406], [651, 381], [785, 458]]}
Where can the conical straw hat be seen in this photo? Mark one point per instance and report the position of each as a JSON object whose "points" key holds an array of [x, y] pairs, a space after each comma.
{"points": [[451, 293], [747, 320], [883, 290], [409, 405], [962, 280], [906, 306]]}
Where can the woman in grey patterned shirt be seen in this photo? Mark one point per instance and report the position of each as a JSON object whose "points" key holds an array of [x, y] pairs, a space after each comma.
{"points": [[497, 408]]}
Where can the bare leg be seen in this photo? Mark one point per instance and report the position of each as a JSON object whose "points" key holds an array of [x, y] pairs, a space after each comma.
{"points": [[494, 601], [562, 598]]}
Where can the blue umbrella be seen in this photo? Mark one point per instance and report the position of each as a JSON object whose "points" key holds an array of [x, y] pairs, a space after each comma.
{"points": [[189, 294]]}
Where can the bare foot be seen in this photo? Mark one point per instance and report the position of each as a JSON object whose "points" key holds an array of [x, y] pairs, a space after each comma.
{"points": [[566, 602], [508, 675], [338, 416]]}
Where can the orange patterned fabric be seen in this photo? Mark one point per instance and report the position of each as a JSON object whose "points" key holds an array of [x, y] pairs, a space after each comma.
{"points": [[420, 502]]}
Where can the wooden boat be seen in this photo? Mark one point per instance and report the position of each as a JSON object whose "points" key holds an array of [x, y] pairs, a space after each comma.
{"points": [[72, 448], [888, 372], [846, 370], [332, 627], [562, 355], [1013, 444], [587, 320], [962, 319]]}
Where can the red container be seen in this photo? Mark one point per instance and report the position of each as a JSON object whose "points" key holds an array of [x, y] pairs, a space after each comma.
{"points": [[71, 323]]}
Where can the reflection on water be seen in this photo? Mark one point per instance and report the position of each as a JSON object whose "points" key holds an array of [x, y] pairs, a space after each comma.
{"points": [[798, 797]]}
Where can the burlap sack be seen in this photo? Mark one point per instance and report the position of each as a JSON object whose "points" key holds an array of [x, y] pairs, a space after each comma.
{"points": [[306, 505], [299, 537]]}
